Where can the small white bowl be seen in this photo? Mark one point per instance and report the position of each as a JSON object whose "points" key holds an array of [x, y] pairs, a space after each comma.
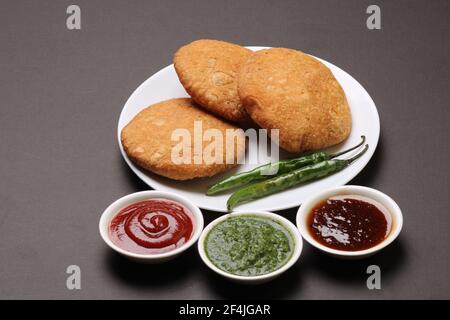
{"points": [[298, 245], [116, 206], [383, 199]]}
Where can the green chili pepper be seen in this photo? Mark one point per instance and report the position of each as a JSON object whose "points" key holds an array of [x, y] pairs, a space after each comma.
{"points": [[272, 169], [290, 179]]}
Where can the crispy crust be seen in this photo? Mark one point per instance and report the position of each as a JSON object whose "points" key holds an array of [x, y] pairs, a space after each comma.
{"points": [[207, 69], [147, 139], [291, 91]]}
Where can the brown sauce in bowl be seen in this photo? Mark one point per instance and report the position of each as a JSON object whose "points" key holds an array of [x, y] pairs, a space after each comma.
{"points": [[349, 223]]}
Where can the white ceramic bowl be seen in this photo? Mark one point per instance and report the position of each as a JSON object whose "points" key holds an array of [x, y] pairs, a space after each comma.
{"points": [[383, 199], [116, 206], [298, 245]]}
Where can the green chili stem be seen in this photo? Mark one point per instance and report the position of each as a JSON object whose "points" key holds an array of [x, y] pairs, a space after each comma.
{"points": [[358, 155], [351, 149]]}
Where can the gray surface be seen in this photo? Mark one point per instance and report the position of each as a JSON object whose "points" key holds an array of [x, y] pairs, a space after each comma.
{"points": [[62, 91]]}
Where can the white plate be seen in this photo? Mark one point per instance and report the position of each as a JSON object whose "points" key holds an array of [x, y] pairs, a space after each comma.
{"points": [[164, 85]]}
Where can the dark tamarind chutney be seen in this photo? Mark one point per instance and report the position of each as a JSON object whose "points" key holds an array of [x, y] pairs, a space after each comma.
{"points": [[349, 223]]}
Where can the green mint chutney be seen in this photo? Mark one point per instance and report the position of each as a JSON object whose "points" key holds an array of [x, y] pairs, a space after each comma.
{"points": [[249, 245]]}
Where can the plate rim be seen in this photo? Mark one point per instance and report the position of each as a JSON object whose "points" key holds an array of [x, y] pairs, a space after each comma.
{"points": [[140, 174]]}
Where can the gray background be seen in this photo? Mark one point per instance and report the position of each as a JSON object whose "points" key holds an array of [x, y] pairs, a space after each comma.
{"points": [[62, 91]]}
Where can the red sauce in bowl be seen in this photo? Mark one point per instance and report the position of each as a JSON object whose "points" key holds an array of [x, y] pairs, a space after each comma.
{"points": [[151, 226], [349, 223]]}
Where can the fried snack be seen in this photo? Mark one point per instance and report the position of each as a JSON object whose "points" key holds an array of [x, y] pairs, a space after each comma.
{"points": [[207, 69], [291, 91], [149, 141]]}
